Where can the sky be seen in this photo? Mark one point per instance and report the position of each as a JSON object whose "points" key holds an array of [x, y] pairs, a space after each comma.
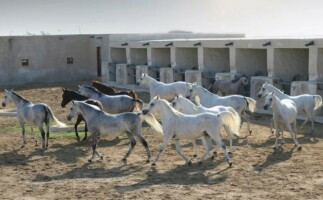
{"points": [[255, 18]]}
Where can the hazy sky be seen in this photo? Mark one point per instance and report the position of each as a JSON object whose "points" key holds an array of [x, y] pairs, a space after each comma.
{"points": [[252, 17]]}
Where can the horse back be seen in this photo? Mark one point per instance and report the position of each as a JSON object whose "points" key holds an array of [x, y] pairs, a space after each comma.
{"points": [[103, 88]]}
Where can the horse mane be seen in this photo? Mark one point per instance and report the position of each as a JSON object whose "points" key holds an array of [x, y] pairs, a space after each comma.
{"points": [[93, 90], [170, 107], [94, 102], [237, 79], [20, 97], [103, 88], [87, 106]]}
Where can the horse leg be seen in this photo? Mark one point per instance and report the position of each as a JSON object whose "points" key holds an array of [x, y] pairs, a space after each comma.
{"points": [[34, 135], [47, 134], [78, 121], [133, 144], [283, 140], [312, 118], [228, 130], [272, 126], [23, 134], [166, 140], [194, 147], [181, 153], [216, 137], [306, 120], [208, 145], [293, 135], [277, 136], [40, 127], [85, 131], [95, 138], [247, 118], [144, 143]]}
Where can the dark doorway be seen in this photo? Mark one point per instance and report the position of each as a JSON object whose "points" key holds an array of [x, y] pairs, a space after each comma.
{"points": [[98, 58]]}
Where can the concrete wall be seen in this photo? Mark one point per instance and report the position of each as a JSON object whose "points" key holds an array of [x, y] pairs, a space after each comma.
{"points": [[160, 57], [291, 63], [138, 56], [118, 55], [186, 58], [251, 62], [47, 57], [216, 60]]}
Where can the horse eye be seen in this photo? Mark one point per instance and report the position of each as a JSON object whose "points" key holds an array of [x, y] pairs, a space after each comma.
{"points": [[191, 90], [270, 99], [263, 89], [152, 104]]}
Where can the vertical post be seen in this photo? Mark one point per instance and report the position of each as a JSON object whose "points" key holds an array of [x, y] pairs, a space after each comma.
{"points": [[173, 56], [271, 62], [200, 59], [312, 63], [232, 51], [128, 55], [149, 56]]}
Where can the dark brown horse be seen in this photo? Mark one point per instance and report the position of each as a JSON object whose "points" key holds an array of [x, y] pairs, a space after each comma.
{"points": [[68, 96], [111, 91]]}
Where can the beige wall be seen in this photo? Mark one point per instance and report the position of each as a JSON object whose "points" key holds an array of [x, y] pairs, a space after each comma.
{"points": [[251, 61], [216, 60]]}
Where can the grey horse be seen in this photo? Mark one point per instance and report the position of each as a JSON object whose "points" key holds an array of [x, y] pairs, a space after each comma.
{"points": [[111, 104], [101, 123], [227, 87], [31, 114]]}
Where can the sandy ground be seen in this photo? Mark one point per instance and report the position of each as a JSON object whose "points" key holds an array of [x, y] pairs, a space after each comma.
{"points": [[62, 172]]}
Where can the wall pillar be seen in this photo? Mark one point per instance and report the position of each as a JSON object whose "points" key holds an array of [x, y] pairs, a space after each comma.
{"points": [[200, 59], [149, 58], [232, 52], [128, 55], [312, 64], [270, 62], [173, 56]]}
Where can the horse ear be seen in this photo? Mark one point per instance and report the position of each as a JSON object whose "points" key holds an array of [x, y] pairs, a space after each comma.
{"points": [[176, 96], [63, 89], [73, 101], [5, 90], [158, 97]]}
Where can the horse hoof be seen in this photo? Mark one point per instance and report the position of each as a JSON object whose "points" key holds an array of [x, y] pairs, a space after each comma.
{"points": [[90, 160], [213, 157], [22, 146], [101, 157], [230, 152], [215, 153], [84, 139], [299, 148], [153, 164], [200, 163], [230, 164], [189, 163], [250, 132], [148, 161], [194, 155], [78, 139], [275, 148], [124, 160]]}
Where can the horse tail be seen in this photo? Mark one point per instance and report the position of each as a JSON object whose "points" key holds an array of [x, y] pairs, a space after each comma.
{"points": [[51, 115], [229, 120], [151, 120], [133, 94], [251, 104], [235, 115], [318, 101], [197, 100], [138, 104]]}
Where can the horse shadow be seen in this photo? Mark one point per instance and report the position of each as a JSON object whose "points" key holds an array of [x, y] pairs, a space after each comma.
{"points": [[180, 175], [88, 171], [277, 156]]}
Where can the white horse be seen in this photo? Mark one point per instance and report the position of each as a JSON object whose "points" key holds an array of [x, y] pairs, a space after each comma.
{"points": [[284, 113], [33, 115], [166, 91], [101, 123], [180, 126], [187, 107], [237, 102], [112, 104], [305, 104]]}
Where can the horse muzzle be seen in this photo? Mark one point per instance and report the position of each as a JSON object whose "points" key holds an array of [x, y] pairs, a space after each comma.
{"points": [[259, 96], [265, 107], [3, 104], [145, 112], [69, 118], [188, 97]]}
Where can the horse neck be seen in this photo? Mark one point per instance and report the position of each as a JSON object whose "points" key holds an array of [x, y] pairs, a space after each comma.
{"points": [[190, 108], [166, 111], [277, 106], [151, 81], [203, 94], [18, 100], [278, 93], [86, 110], [75, 96]]}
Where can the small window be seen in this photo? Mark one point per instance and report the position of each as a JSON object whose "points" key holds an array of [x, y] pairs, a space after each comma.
{"points": [[69, 60], [24, 62]]}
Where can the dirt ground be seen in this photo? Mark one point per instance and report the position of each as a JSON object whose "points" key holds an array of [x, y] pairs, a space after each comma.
{"points": [[62, 172]]}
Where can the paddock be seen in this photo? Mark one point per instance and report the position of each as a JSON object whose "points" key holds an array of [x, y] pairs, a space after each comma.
{"points": [[258, 171]]}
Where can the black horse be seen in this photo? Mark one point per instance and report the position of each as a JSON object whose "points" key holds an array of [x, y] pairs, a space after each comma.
{"points": [[68, 96]]}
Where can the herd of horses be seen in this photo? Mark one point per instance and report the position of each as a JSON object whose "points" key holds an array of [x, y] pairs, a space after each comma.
{"points": [[184, 111]]}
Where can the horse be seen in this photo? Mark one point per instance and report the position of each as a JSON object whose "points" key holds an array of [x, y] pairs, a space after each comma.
{"points": [[178, 126], [306, 104], [237, 102], [112, 104], [68, 96], [187, 107], [284, 113], [227, 87], [166, 91], [111, 91], [102, 123], [33, 115]]}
